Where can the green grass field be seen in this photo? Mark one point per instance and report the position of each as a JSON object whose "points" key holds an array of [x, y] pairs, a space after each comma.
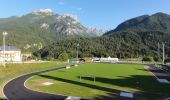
{"points": [[109, 79], [14, 70]]}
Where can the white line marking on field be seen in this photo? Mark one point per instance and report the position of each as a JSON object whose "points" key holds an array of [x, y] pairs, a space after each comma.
{"points": [[72, 98], [47, 83], [126, 94]]}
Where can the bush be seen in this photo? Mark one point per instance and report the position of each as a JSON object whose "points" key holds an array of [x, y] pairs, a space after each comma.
{"points": [[150, 59], [157, 59], [63, 56], [167, 60]]}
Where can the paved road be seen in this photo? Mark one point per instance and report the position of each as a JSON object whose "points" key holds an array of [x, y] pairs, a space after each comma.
{"points": [[15, 89]]}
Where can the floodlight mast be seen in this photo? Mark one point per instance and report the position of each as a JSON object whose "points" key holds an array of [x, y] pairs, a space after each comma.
{"points": [[4, 35], [163, 54], [77, 53]]}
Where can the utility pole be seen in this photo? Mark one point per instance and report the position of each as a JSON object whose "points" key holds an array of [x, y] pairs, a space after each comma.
{"points": [[77, 53], [4, 34], [163, 54], [158, 50]]}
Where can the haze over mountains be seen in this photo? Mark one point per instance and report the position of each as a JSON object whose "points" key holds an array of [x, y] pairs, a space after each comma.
{"points": [[41, 27]]}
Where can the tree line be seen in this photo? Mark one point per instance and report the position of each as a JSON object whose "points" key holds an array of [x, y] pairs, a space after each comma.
{"points": [[125, 44]]}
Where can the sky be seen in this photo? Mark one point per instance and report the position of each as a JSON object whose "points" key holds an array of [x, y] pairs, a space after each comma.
{"points": [[101, 14]]}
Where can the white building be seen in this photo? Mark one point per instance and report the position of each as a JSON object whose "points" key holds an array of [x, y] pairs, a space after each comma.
{"points": [[96, 59], [109, 59], [12, 53]]}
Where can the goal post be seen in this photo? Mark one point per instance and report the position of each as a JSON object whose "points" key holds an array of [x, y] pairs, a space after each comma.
{"points": [[81, 77]]}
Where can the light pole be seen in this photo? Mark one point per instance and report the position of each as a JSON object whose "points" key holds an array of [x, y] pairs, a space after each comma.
{"points": [[4, 34], [163, 54], [77, 53]]}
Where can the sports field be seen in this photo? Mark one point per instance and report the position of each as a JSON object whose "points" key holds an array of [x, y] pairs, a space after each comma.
{"points": [[109, 80]]}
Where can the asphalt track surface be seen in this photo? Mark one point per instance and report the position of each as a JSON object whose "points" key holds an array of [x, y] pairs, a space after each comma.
{"points": [[15, 89]]}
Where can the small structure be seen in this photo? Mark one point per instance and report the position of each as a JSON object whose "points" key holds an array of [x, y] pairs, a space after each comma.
{"points": [[12, 53], [127, 94], [26, 56], [162, 80], [73, 98], [86, 59]]}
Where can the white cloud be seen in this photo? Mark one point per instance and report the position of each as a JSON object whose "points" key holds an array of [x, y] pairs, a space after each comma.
{"points": [[61, 3]]}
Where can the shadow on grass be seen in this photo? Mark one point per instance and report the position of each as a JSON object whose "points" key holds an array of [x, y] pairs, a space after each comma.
{"points": [[2, 99], [147, 86]]}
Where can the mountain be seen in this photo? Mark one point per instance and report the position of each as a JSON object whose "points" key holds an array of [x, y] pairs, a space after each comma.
{"points": [[137, 37], [41, 27], [98, 32], [158, 22], [145, 32]]}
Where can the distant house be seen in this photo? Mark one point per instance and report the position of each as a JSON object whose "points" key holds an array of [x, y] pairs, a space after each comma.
{"points": [[12, 53]]}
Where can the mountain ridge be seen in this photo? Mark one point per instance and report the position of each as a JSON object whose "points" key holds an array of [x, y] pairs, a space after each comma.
{"points": [[135, 38], [41, 27], [158, 21]]}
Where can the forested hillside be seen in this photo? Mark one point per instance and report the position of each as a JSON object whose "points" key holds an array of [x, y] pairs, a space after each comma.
{"points": [[138, 37]]}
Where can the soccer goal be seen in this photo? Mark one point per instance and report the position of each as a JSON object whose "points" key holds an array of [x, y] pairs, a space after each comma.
{"points": [[88, 78]]}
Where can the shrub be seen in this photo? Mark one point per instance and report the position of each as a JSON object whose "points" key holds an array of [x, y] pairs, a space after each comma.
{"points": [[167, 60], [63, 56], [148, 58], [157, 59]]}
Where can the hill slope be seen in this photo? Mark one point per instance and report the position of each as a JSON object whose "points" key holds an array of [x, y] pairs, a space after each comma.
{"points": [[158, 21]]}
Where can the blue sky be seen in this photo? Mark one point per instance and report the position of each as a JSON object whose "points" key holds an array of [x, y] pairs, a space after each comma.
{"points": [[102, 14]]}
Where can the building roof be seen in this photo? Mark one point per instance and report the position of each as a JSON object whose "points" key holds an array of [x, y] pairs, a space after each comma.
{"points": [[9, 48]]}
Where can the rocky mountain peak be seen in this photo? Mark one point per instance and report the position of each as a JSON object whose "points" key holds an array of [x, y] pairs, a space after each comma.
{"points": [[42, 11]]}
